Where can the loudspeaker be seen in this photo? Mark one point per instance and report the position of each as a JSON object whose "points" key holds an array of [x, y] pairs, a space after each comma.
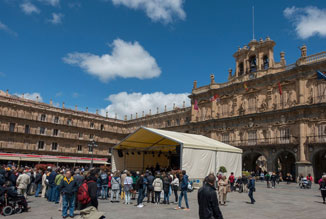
{"points": [[120, 154]]}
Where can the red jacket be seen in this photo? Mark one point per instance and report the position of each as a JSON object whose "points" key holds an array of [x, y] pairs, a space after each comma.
{"points": [[109, 184], [231, 179]]}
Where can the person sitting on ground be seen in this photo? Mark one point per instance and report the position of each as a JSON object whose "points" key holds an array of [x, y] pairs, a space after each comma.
{"points": [[207, 200]]}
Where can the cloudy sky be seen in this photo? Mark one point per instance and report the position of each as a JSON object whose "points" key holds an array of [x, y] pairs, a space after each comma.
{"points": [[128, 56]]}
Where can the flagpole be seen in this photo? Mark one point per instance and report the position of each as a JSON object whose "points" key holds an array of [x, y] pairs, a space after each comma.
{"points": [[253, 22]]}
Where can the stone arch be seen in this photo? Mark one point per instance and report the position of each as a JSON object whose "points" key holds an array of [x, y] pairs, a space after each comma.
{"points": [[254, 161], [319, 163], [284, 162]]}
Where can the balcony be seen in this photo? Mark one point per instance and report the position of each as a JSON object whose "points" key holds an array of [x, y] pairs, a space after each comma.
{"points": [[317, 139], [265, 141]]}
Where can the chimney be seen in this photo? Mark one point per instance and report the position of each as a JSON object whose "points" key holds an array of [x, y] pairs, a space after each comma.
{"points": [[157, 110], [86, 109], [96, 111], [63, 104], [76, 107], [125, 117], [136, 115], [143, 114], [150, 112], [7, 92], [130, 116], [106, 114], [184, 104], [23, 95], [165, 108], [116, 116], [51, 103], [173, 106]]}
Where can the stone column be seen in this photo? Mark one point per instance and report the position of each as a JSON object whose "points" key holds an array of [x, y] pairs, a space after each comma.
{"points": [[303, 166], [301, 91], [302, 139]]}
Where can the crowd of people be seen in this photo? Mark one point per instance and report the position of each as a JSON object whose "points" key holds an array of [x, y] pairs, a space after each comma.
{"points": [[79, 188]]}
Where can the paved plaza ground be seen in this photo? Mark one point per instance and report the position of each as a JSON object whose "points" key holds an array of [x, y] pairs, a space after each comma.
{"points": [[286, 201]]}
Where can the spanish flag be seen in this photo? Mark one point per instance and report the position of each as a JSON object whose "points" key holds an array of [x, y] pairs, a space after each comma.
{"points": [[213, 98], [245, 86]]}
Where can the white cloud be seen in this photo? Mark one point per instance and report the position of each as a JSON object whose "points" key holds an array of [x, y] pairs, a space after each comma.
{"points": [[56, 18], [128, 60], [31, 96], [28, 8], [308, 21], [131, 103], [6, 29], [157, 10], [51, 2]]}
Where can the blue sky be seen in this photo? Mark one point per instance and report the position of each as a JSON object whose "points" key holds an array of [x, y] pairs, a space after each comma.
{"points": [[126, 56]]}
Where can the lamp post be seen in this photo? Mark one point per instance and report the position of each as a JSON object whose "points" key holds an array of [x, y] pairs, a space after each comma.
{"points": [[91, 145]]}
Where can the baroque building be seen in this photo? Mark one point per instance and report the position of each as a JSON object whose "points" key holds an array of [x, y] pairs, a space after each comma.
{"points": [[273, 111]]}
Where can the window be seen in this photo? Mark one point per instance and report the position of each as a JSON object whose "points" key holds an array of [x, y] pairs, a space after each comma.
{"points": [[80, 135], [79, 148], [252, 104], [92, 124], [322, 133], [43, 116], [91, 136], [241, 69], [12, 127], [225, 109], [252, 137], [168, 123], [56, 120], [54, 146], [42, 130], [253, 64], [69, 122], [266, 62], [285, 135], [26, 129], [90, 149], [178, 121], [55, 132], [102, 127], [225, 137], [40, 145], [321, 92]]}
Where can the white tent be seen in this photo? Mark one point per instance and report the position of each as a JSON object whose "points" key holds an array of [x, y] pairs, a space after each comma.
{"points": [[199, 155]]}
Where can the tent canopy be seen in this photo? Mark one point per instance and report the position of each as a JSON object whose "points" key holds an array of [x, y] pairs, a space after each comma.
{"points": [[149, 139]]}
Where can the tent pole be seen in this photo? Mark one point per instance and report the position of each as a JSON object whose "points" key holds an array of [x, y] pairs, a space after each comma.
{"points": [[215, 162], [143, 161], [181, 152]]}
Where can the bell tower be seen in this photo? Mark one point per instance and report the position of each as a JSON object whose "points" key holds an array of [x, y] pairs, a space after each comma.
{"points": [[254, 57]]}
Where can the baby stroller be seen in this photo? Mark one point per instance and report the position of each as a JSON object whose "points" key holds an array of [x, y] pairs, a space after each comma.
{"points": [[304, 184], [11, 202]]}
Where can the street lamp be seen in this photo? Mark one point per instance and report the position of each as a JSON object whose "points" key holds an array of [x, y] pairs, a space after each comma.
{"points": [[91, 145]]}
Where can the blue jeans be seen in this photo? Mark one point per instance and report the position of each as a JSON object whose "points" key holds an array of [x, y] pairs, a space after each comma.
{"points": [[140, 196], [104, 191], [166, 197], [250, 194], [38, 189], [183, 193], [68, 201], [57, 195]]}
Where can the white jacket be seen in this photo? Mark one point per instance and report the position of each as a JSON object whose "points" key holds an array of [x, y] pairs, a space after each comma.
{"points": [[22, 181], [158, 185]]}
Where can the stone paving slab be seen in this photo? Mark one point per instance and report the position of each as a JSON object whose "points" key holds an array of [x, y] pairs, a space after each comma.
{"points": [[286, 201]]}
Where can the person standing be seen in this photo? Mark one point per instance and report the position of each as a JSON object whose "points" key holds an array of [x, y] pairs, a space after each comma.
{"points": [[310, 180], [222, 189], [104, 180], [158, 187], [44, 184], [231, 180], [273, 179], [166, 188], [115, 187], [268, 180], [38, 182], [57, 181], [22, 182], [175, 186], [123, 177], [150, 188], [68, 188], [52, 185], [127, 188], [184, 188], [92, 189], [207, 200], [323, 188], [251, 187], [140, 188]]}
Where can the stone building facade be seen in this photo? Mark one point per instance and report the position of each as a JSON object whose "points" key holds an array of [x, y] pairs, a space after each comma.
{"points": [[273, 111]]}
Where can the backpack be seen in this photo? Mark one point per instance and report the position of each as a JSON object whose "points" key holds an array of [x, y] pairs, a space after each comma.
{"points": [[157, 183], [82, 195]]}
